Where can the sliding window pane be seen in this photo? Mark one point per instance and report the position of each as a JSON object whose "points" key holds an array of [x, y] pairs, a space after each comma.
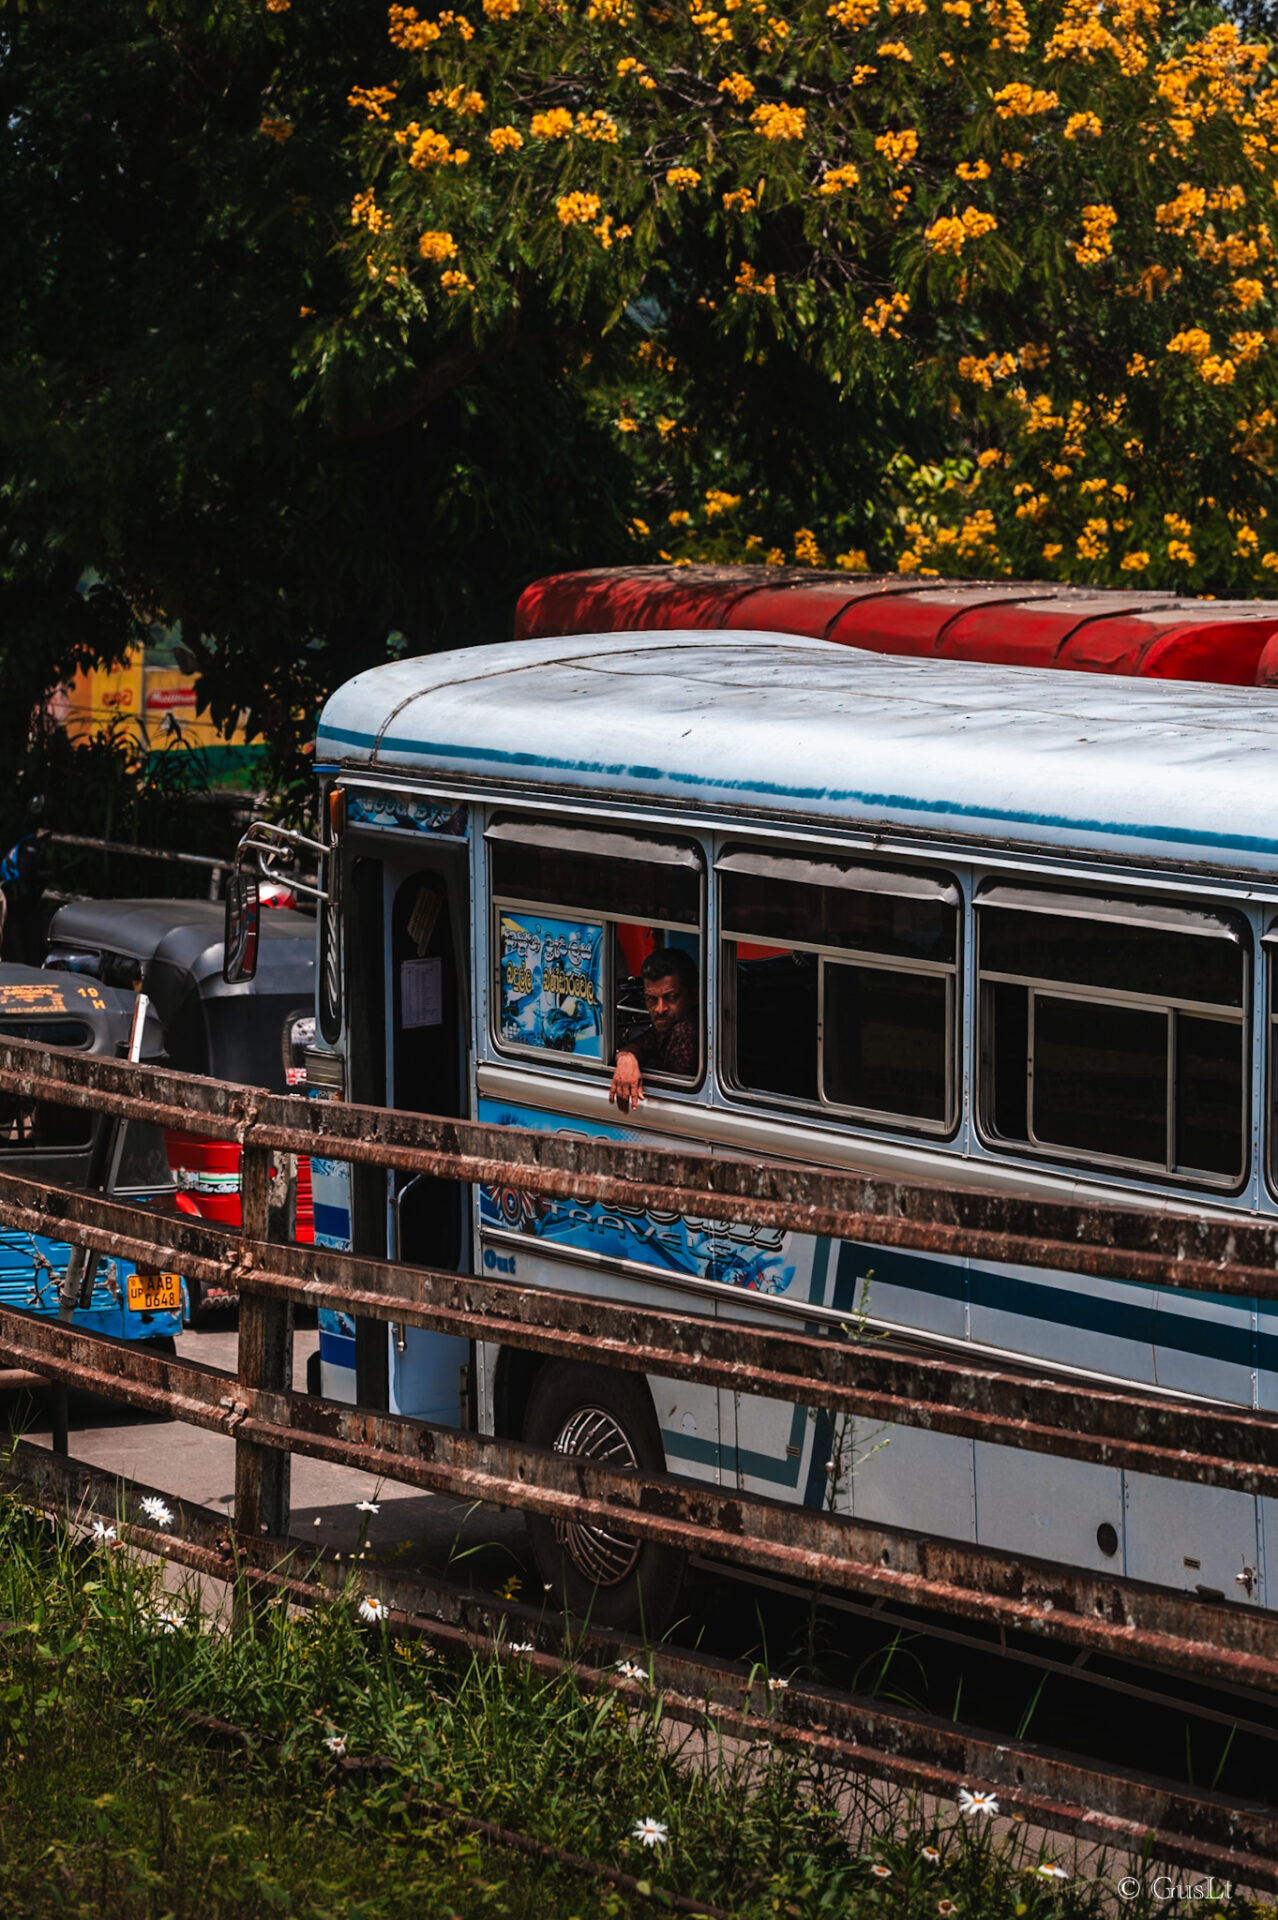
{"points": [[1100, 1079], [886, 1041], [1209, 1095], [775, 1033], [1103, 953]]}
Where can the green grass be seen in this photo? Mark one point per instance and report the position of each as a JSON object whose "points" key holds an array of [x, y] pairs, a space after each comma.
{"points": [[114, 1804]]}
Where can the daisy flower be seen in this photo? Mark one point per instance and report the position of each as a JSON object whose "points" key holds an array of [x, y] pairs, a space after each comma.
{"points": [[931, 1855], [372, 1609], [166, 1622], [650, 1833], [1050, 1871], [154, 1509], [946, 1906], [777, 1686], [630, 1670], [976, 1804], [367, 1506], [522, 1646], [102, 1532], [336, 1744], [881, 1872]]}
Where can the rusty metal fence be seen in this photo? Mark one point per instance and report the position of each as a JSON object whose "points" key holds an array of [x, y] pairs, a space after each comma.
{"points": [[1230, 1643]]}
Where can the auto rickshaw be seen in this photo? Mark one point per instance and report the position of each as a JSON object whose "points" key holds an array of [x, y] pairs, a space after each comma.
{"points": [[253, 1031], [70, 1146]]}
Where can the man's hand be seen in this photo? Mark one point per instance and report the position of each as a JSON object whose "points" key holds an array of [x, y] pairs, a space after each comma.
{"points": [[627, 1082]]}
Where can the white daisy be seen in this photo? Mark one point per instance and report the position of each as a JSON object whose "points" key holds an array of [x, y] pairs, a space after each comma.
{"points": [[166, 1622], [630, 1670], [977, 1803], [336, 1744], [522, 1646], [881, 1873], [650, 1833], [946, 1906], [777, 1686], [1050, 1871], [372, 1609], [102, 1532], [931, 1855], [154, 1509], [367, 1506]]}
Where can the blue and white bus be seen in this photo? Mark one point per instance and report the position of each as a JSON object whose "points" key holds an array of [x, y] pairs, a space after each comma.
{"points": [[991, 926]]}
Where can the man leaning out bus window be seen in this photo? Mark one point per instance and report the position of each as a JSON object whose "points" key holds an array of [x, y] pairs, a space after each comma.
{"points": [[671, 1042]]}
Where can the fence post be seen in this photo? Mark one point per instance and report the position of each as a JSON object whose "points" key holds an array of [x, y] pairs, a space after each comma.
{"points": [[262, 1474]]}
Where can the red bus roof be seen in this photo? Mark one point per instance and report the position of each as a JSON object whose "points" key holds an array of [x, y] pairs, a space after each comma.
{"points": [[1010, 623]]}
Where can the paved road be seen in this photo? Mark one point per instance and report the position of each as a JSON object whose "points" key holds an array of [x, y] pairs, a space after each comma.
{"points": [[482, 1547]]}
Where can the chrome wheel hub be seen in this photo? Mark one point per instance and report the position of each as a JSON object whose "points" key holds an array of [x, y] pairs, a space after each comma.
{"points": [[604, 1557]]}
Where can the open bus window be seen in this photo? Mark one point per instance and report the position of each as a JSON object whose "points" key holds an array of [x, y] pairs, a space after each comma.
{"points": [[577, 910], [34, 1125], [841, 985], [1114, 1031]]}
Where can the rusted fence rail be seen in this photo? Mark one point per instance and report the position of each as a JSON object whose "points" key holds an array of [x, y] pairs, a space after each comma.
{"points": [[821, 1368]]}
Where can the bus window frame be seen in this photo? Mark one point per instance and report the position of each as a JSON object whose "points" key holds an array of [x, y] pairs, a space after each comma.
{"points": [[1233, 926], [568, 1063], [947, 889]]}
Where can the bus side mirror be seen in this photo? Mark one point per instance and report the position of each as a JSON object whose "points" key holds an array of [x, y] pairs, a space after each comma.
{"points": [[243, 925]]}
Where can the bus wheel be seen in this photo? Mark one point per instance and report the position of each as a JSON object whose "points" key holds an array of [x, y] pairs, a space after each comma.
{"points": [[600, 1572]]}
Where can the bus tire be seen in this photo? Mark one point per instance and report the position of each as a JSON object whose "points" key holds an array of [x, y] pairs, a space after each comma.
{"points": [[607, 1577]]}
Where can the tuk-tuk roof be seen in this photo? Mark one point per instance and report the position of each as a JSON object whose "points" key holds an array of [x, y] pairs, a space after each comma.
{"points": [[33, 997], [186, 935]]}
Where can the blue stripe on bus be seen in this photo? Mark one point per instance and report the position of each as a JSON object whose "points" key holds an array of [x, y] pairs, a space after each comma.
{"points": [[335, 1221], [904, 803], [1154, 1325]]}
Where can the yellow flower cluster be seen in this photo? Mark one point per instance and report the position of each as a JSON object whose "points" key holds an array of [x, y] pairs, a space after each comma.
{"points": [[1079, 124], [983, 373], [371, 100], [454, 281], [777, 121], [806, 550], [462, 100], [854, 15], [741, 200], [973, 169], [1097, 241], [554, 125], [501, 9], [410, 32], [839, 179], [1019, 102], [1093, 542], [429, 148], [577, 209], [365, 212], [882, 316], [896, 50], [718, 501], [951, 233], [682, 179], [629, 66], [738, 87], [1194, 342], [277, 130], [898, 149], [1134, 562], [747, 281], [437, 246], [505, 139], [1081, 34]]}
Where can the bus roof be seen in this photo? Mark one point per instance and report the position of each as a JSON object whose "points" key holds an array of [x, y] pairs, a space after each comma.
{"points": [[758, 723]]}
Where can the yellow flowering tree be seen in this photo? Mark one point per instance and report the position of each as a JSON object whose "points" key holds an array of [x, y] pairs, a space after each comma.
{"points": [[1029, 246]]}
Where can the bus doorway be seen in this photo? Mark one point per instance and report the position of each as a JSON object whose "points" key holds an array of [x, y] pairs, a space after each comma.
{"points": [[428, 1000]]}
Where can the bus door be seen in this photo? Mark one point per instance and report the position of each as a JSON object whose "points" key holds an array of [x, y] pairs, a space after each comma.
{"points": [[428, 1053]]}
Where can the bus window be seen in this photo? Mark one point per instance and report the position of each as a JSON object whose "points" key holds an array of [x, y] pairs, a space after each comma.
{"points": [[577, 912], [1114, 1030], [31, 1124], [842, 985]]}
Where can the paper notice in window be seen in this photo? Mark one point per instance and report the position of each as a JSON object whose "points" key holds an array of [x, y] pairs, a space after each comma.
{"points": [[421, 993]]}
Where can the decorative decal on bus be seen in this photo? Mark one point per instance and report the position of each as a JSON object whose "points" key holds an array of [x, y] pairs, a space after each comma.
{"points": [[757, 1259], [404, 814], [552, 984]]}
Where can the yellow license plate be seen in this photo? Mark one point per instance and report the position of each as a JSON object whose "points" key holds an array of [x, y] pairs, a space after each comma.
{"points": [[155, 1292]]}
